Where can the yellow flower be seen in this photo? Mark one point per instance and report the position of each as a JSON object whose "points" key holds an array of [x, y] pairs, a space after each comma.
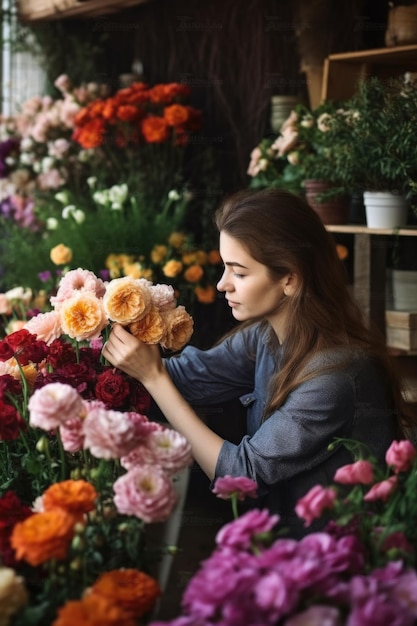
{"points": [[172, 268], [201, 257], [133, 270], [61, 254], [176, 240], [188, 258], [149, 329], [158, 254], [126, 300], [83, 316]]}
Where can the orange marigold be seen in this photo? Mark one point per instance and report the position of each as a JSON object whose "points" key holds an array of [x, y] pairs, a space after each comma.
{"points": [[176, 114], [172, 268], [155, 129], [194, 273], [93, 610], [75, 496], [149, 329], [43, 536], [205, 295], [133, 591]]}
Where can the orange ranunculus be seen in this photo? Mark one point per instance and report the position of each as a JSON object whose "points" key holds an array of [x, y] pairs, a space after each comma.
{"points": [[83, 316], [188, 258], [194, 273], [172, 268], [93, 610], [149, 329], [158, 253], [75, 496], [109, 109], [179, 328], [43, 536], [128, 113], [205, 295], [127, 300], [342, 252], [176, 239], [214, 257], [91, 134], [131, 590], [176, 114], [61, 254], [155, 129]]}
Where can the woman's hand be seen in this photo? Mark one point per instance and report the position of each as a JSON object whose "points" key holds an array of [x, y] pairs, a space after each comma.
{"points": [[127, 353]]}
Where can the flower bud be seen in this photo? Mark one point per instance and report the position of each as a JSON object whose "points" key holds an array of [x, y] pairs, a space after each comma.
{"points": [[42, 445]]}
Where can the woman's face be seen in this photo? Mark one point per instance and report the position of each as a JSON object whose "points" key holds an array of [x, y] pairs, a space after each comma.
{"points": [[248, 286]]}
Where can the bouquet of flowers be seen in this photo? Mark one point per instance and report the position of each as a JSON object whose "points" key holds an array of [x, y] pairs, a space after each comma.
{"points": [[360, 570], [83, 469]]}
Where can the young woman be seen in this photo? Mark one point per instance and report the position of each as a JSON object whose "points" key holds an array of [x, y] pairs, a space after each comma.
{"points": [[302, 362]]}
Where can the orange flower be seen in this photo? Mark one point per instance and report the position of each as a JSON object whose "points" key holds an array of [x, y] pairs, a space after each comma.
{"points": [[150, 328], [176, 114], [126, 300], [193, 273], [214, 257], [91, 134], [165, 93], [109, 109], [176, 240], [131, 590], [155, 129], [93, 610], [205, 295], [172, 268], [75, 496], [43, 536], [342, 252], [128, 113], [158, 254], [179, 328], [83, 316], [61, 254]]}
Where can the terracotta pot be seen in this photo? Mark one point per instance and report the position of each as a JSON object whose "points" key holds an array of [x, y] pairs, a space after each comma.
{"points": [[331, 211]]}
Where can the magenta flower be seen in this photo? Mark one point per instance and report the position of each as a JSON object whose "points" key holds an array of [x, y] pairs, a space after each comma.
{"points": [[381, 491], [316, 615], [312, 505], [240, 487], [401, 455], [361, 472], [240, 533]]}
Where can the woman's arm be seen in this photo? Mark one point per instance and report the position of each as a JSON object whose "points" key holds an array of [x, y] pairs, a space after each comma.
{"points": [[143, 362]]}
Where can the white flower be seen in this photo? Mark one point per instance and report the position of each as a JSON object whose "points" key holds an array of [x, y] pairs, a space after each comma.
{"points": [[91, 181], [51, 223], [26, 144], [10, 161], [79, 216], [68, 211], [19, 293], [62, 197], [116, 206], [26, 158], [174, 195], [101, 197], [118, 193], [48, 164]]}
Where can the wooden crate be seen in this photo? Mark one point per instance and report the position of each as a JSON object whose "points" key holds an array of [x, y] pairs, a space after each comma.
{"points": [[401, 330]]}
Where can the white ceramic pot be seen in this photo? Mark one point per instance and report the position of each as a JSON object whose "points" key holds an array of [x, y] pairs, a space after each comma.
{"points": [[385, 209]]}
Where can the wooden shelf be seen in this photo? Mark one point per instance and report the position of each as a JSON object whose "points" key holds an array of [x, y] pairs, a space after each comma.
{"points": [[407, 231], [37, 10]]}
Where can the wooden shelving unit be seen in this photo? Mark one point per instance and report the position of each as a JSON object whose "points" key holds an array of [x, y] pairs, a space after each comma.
{"points": [[37, 10]]}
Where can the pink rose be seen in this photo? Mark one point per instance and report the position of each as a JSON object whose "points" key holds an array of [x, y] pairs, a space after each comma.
{"points": [[227, 486], [53, 405], [169, 450], [72, 435], [382, 490], [46, 326], [400, 455], [361, 472], [145, 492], [312, 505]]}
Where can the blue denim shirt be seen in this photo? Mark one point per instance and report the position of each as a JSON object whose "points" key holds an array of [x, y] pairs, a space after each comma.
{"points": [[287, 453]]}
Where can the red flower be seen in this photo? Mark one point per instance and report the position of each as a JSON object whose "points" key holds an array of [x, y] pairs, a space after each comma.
{"points": [[128, 113], [155, 129], [112, 388], [9, 385], [11, 422], [6, 351], [12, 510], [139, 398], [91, 134], [60, 353], [25, 347]]}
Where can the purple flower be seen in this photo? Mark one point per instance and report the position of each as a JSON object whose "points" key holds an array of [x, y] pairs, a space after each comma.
{"points": [[317, 615], [45, 276], [378, 610], [239, 486], [275, 595], [240, 533]]}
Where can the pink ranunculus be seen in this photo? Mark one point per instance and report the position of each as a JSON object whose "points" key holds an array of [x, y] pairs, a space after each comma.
{"points": [[170, 450], [110, 434], [401, 455], [46, 326], [312, 505], [360, 472], [50, 180], [316, 615], [381, 490], [274, 595], [72, 435], [53, 405], [75, 281], [163, 297], [146, 492], [227, 486], [240, 533]]}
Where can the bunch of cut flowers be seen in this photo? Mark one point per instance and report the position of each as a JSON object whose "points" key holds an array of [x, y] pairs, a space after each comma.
{"points": [[359, 570], [84, 470]]}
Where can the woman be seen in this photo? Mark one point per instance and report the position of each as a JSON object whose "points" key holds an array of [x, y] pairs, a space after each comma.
{"points": [[303, 362]]}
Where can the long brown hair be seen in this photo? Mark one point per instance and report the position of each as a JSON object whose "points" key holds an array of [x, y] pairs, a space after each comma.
{"points": [[281, 231]]}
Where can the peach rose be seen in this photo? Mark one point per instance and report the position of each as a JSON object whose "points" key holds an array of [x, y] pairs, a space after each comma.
{"points": [[61, 254], [150, 328], [194, 273], [179, 327], [172, 268], [83, 316], [127, 300]]}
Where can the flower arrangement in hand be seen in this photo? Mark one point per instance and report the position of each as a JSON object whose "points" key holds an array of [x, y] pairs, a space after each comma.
{"points": [[83, 469], [360, 570]]}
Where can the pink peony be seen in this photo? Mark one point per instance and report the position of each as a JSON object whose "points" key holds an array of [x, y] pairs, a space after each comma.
{"points": [[72, 435], [240, 533], [168, 449], [53, 405], [401, 455], [46, 326], [361, 472], [75, 281], [316, 615], [381, 490], [145, 492], [163, 297], [110, 434], [312, 505], [227, 486]]}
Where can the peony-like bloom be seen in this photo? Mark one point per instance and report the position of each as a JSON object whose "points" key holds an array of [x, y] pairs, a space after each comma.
{"points": [[13, 594], [316, 500], [168, 449], [163, 297], [382, 490], [43, 536], [72, 435], [75, 496], [46, 326], [400, 455], [145, 492], [93, 610], [240, 533], [179, 327], [316, 615], [360, 472], [133, 591], [110, 434], [76, 281], [127, 300], [54, 404], [112, 388], [242, 487], [150, 328], [83, 316], [61, 254]]}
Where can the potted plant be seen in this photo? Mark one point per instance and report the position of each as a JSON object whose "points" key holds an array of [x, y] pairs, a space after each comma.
{"points": [[383, 148], [310, 156]]}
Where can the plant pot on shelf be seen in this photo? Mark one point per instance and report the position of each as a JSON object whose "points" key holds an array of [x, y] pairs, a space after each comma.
{"points": [[385, 209], [331, 210]]}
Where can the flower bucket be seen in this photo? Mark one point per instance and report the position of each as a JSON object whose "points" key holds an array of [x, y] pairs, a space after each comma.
{"points": [[385, 209], [331, 211]]}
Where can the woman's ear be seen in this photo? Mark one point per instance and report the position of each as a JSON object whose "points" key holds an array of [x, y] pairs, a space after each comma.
{"points": [[290, 284]]}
